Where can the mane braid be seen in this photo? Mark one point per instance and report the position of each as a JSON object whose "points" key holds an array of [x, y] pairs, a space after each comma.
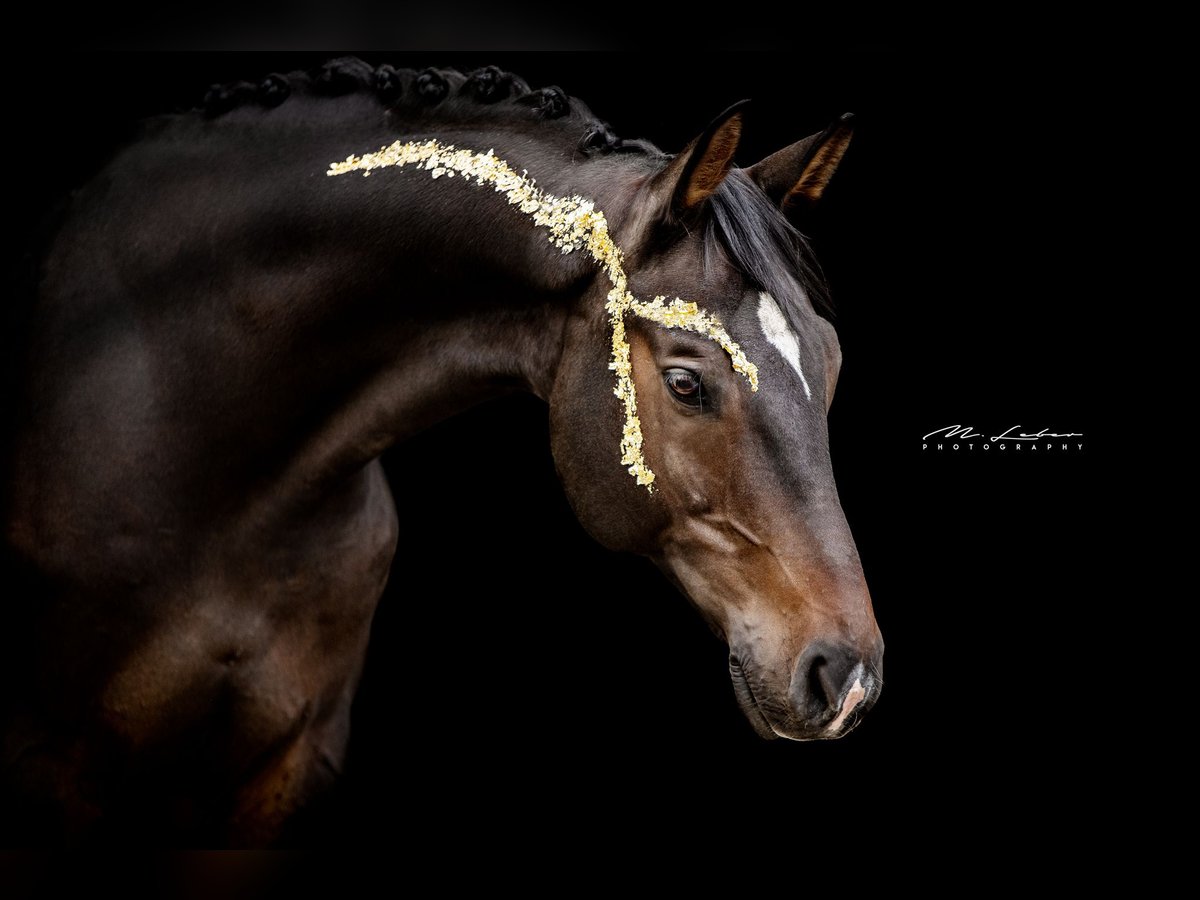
{"points": [[407, 88]]}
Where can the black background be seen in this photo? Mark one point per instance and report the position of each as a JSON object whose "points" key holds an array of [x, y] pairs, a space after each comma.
{"points": [[517, 667]]}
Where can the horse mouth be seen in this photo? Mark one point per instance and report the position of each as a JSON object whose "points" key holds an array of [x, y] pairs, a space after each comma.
{"points": [[746, 700]]}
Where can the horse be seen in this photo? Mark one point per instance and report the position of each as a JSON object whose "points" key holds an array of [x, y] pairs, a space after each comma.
{"points": [[253, 300]]}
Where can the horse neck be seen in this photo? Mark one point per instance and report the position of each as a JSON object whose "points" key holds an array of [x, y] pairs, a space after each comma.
{"points": [[387, 303]]}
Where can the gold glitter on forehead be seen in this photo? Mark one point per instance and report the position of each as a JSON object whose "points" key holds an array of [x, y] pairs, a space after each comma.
{"points": [[574, 224]]}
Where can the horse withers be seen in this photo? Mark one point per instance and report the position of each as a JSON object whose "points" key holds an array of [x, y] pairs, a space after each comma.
{"points": [[225, 338]]}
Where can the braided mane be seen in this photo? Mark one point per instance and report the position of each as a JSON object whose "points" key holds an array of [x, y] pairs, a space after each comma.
{"points": [[410, 88]]}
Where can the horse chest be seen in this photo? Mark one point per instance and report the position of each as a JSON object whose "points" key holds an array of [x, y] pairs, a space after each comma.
{"points": [[293, 607], [238, 672], [268, 636]]}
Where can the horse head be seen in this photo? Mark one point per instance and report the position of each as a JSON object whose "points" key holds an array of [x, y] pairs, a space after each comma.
{"points": [[734, 495]]}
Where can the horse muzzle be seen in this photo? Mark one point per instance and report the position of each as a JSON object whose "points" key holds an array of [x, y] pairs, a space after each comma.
{"points": [[832, 686]]}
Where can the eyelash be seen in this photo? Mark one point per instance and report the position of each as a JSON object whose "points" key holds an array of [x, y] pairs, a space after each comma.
{"points": [[671, 377]]}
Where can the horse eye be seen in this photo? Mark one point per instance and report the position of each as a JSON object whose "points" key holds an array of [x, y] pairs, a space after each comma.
{"points": [[685, 385]]}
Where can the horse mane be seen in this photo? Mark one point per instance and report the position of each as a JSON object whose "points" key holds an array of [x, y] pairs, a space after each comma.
{"points": [[745, 225], [408, 88]]}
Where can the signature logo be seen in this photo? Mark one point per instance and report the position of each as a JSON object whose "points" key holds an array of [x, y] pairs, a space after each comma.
{"points": [[965, 437]]}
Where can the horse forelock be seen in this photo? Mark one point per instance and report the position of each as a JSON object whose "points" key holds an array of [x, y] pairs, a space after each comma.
{"points": [[755, 237]]}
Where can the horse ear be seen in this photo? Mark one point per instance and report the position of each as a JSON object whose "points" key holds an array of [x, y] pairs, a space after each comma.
{"points": [[695, 174], [796, 176]]}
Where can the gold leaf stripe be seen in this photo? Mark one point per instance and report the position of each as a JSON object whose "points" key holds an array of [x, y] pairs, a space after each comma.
{"points": [[574, 224]]}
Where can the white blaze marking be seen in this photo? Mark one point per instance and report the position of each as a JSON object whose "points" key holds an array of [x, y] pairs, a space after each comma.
{"points": [[775, 327], [854, 697]]}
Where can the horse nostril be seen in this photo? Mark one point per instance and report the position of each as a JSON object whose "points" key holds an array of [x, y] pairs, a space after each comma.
{"points": [[816, 695], [824, 674]]}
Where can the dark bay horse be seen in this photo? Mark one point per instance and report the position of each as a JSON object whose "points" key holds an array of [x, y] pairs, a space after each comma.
{"points": [[231, 325]]}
